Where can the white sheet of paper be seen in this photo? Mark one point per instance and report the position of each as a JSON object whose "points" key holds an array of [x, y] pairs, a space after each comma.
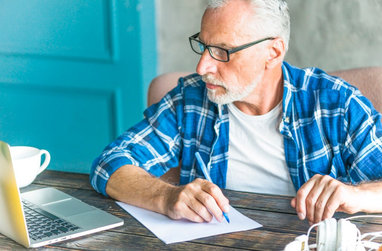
{"points": [[171, 231]]}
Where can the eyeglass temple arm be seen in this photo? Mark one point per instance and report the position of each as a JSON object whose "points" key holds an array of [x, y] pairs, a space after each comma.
{"points": [[249, 45]]}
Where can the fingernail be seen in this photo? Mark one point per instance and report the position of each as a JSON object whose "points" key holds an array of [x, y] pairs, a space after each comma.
{"points": [[301, 216], [226, 208]]}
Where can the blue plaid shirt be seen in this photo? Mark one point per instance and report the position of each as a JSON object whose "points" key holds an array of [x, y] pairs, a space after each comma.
{"points": [[328, 128]]}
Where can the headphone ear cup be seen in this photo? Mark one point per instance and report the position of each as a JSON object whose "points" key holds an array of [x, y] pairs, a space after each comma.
{"points": [[346, 235], [327, 235]]}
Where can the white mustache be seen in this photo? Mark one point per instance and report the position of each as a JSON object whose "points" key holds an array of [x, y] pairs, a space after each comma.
{"points": [[212, 80]]}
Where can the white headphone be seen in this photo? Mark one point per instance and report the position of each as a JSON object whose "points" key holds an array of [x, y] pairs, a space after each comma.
{"points": [[333, 236], [336, 236]]}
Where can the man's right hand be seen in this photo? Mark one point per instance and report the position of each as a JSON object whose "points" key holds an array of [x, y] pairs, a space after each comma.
{"points": [[197, 201]]}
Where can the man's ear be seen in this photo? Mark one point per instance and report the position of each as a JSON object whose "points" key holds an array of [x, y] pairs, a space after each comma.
{"points": [[276, 53]]}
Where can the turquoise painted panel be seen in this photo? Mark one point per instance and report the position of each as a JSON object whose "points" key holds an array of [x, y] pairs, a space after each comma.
{"points": [[74, 74], [64, 121], [147, 44], [78, 29]]}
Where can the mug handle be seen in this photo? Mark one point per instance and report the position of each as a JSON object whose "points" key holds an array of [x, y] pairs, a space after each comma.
{"points": [[46, 162]]}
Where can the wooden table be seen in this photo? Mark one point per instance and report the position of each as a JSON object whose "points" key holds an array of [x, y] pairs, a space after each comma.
{"points": [[280, 222]]}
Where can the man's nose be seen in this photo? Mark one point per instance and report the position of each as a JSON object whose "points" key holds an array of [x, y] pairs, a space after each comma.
{"points": [[206, 64]]}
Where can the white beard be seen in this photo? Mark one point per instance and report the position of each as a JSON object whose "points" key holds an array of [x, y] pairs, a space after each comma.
{"points": [[232, 94]]}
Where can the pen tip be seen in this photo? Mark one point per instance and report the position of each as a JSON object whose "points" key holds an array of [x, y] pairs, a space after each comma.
{"points": [[226, 217]]}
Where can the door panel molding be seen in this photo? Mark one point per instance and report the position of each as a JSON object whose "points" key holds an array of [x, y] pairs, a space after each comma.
{"points": [[87, 33], [74, 74]]}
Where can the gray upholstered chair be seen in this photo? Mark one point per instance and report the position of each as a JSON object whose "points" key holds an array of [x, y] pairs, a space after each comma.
{"points": [[368, 80], [162, 84]]}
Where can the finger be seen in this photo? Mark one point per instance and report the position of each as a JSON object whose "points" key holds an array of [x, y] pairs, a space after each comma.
{"points": [[196, 198], [311, 200], [331, 206], [213, 199], [201, 209], [193, 216], [328, 199], [210, 203], [219, 197], [293, 202], [334, 201], [321, 204], [182, 210], [300, 199], [183, 204]]}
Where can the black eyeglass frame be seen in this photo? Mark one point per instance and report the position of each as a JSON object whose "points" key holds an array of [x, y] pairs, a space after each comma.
{"points": [[230, 51]]}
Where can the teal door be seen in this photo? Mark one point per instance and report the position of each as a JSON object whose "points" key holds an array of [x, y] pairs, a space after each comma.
{"points": [[73, 74]]}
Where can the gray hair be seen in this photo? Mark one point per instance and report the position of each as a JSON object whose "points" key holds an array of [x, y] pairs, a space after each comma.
{"points": [[272, 14]]}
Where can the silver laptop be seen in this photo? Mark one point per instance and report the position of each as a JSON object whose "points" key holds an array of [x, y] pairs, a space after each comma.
{"points": [[44, 216]]}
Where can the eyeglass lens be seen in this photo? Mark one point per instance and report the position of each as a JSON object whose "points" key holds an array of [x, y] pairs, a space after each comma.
{"points": [[215, 52]]}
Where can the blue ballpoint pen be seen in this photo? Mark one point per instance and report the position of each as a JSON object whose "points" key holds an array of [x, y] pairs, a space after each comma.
{"points": [[206, 174]]}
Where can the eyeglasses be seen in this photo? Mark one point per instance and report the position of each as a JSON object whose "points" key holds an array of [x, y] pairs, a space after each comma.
{"points": [[216, 52]]}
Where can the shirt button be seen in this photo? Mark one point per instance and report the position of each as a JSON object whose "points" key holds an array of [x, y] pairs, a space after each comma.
{"points": [[286, 119]]}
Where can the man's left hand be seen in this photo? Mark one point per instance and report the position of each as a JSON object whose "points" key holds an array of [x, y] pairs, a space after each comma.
{"points": [[321, 196]]}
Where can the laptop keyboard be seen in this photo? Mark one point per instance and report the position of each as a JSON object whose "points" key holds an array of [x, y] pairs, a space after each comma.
{"points": [[42, 224]]}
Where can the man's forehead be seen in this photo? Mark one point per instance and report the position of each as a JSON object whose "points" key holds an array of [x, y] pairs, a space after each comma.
{"points": [[225, 26], [226, 36]]}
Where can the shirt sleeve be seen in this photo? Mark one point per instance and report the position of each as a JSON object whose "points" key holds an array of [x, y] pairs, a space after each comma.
{"points": [[363, 142], [153, 144]]}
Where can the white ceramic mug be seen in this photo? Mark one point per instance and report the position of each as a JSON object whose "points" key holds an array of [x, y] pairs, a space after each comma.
{"points": [[27, 163]]}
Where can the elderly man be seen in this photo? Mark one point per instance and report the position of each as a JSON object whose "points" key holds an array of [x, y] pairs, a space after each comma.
{"points": [[260, 125]]}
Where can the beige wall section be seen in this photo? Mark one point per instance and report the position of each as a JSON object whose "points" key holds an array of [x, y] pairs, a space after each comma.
{"points": [[176, 21], [336, 35], [331, 35]]}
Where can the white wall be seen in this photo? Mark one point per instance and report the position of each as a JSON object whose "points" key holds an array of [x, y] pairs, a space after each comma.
{"points": [[332, 35]]}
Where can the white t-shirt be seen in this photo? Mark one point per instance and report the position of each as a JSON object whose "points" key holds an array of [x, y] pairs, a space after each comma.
{"points": [[256, 161]]}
